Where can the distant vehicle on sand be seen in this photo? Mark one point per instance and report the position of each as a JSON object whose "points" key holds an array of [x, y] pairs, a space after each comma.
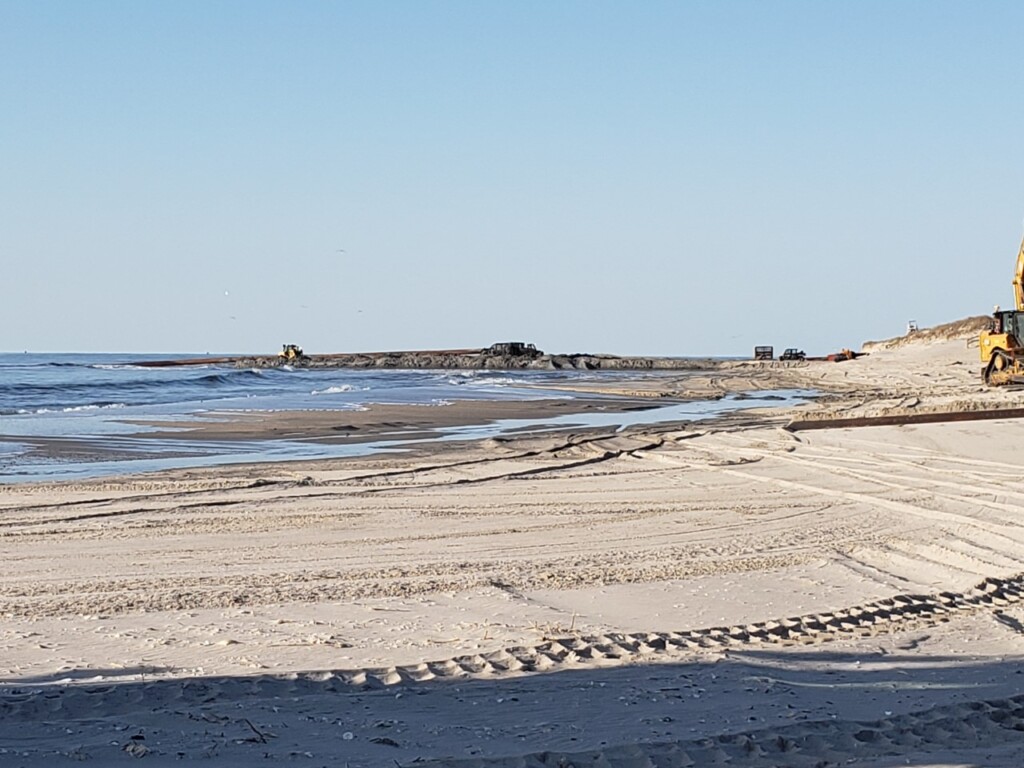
{"points": [[513, 349]]}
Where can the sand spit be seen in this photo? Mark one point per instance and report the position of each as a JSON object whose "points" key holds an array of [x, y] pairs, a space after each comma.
{"points": [[725, 593]]}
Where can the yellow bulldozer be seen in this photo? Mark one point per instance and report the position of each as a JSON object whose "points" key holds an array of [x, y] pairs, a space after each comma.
{"points": [[1002, 354], [290, 353]]}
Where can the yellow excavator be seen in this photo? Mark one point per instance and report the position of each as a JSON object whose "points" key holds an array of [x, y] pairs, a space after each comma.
{"points": [[1002, 353]]}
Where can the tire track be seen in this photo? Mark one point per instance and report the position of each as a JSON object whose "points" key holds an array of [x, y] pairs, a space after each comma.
{"points": [[889, 615], [602, 455], [878, 470], [178, 493]]}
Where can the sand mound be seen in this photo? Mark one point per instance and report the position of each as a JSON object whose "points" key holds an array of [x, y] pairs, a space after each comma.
{"points": [[967, 328]]}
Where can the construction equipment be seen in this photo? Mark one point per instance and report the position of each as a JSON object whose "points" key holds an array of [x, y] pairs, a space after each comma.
{"points": [[1002, 354], [290, 353], [513, 349], [793, 354], [764, 353], [844, 354]]}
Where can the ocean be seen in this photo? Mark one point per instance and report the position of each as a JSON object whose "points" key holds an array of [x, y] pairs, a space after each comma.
{"points": [[89, 405]]}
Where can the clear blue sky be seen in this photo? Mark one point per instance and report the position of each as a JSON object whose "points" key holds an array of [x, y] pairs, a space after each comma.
{"points": [[658, 178]]}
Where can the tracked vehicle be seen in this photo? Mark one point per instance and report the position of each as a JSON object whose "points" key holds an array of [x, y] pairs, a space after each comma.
{"points": [[1000, 346]]}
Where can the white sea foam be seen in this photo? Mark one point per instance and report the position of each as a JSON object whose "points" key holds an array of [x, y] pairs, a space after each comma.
{"points": [[73, 409], [495, 381], [337, 390]]}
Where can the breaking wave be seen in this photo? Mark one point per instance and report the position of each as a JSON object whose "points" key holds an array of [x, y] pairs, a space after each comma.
{"points": [[338, 390], [74, 408]]}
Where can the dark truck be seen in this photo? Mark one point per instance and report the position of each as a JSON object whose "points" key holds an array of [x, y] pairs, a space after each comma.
{"points": [[793, 354], [513, 349]]}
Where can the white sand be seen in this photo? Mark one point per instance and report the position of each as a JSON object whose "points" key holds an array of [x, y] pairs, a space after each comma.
{"points": [[563, 587]]}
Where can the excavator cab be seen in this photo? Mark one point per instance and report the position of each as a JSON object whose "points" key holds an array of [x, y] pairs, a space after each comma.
{"points": [[1000, 347], [1002, 354]]}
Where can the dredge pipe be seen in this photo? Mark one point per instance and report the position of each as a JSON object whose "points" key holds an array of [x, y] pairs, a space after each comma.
{"points": [[800, 425]]}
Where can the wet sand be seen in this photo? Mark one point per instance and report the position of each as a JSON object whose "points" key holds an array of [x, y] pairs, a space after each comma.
{"points": [[719, 593], [381, 420]]}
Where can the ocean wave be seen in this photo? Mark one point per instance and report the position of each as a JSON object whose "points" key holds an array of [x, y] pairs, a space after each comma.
{"points": [[229, 377], [105, 388], [338, 390], [24, 389], [489, 381], [72, 408], [18, 364]]}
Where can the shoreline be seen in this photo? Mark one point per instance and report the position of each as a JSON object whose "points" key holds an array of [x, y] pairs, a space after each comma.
{"points": [[683, 593], [223, 438]]}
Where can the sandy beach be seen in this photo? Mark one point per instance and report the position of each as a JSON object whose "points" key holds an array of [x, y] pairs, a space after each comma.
{"points": [[727, 592]]}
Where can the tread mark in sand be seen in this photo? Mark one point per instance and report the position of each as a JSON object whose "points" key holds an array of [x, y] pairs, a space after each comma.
{"points": [[899, 613]]}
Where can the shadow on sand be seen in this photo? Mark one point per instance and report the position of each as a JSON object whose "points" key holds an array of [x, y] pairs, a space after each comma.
{"points": [[742, 708]]}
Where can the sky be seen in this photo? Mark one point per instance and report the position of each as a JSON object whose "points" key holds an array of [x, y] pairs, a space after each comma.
{"points": [[670, 178]]}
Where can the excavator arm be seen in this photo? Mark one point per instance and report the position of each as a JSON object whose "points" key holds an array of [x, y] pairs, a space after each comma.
{"points": [[1018, 280]]}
